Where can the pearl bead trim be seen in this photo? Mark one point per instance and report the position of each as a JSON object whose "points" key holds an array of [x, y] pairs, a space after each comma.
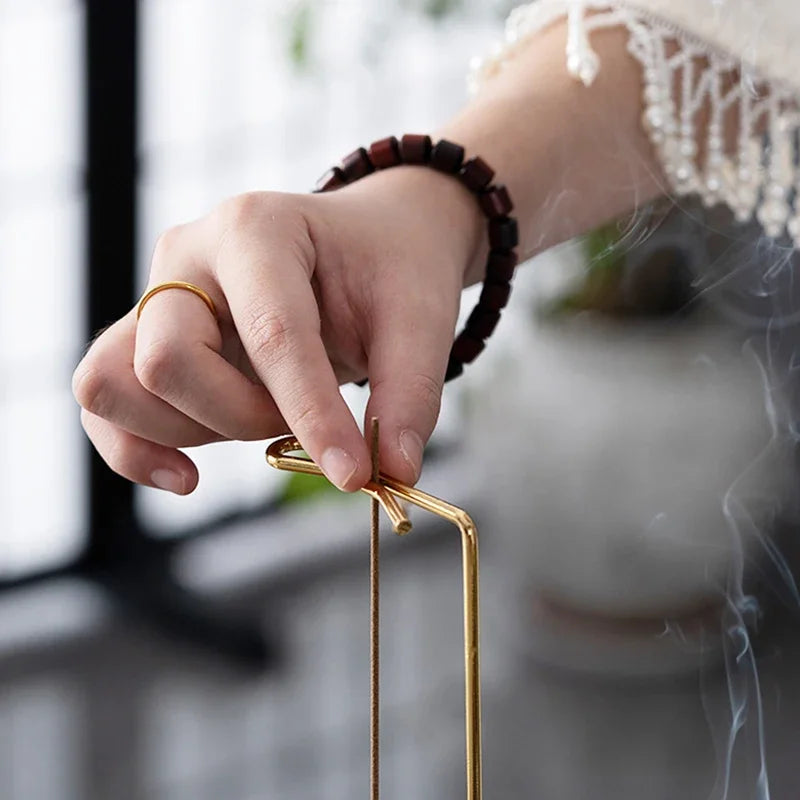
{"points": [[757, 175]]}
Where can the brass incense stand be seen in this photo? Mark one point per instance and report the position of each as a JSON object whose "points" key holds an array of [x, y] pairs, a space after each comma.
{"points": [[283, 454]]}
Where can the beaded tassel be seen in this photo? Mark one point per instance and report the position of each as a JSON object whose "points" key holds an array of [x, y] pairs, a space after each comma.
{"points": [[684, 77]]}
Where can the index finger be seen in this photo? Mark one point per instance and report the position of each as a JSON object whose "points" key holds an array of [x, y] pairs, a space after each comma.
{"points": [[273, 306]]}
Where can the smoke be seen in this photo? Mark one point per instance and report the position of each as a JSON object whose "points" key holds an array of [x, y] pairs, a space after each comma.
{"points": [[753, 282]]}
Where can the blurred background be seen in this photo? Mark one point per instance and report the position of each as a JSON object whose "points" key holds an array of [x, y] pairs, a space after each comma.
{"points": [[639, 606]]}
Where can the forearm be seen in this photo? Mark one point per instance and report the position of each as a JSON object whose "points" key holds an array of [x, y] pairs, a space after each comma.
{"points": [[571, 157]]}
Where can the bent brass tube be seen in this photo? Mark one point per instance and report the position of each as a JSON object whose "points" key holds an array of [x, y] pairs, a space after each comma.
{"points": [[388, 491]]}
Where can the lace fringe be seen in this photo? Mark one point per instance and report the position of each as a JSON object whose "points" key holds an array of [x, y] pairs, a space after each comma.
{"points": [[759, 175]]}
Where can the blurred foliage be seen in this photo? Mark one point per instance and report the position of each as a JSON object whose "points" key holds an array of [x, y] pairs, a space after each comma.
{"points": [[300, 25], [601, 287], [438, 9], [619, 281], [301, 488], [301, 15]]}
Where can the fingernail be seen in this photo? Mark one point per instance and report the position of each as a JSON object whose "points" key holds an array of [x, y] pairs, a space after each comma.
{"points": [[411, 448], [168, 480], [338, 465]]}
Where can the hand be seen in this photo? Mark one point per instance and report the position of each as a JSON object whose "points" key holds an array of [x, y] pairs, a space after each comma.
{"points": [[311, 291], [317, 290]]}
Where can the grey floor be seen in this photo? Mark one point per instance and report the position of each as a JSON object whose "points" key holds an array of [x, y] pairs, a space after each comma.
{"points": [[120, 714]]}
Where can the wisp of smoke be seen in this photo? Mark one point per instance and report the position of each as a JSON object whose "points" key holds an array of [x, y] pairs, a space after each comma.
{"points": [[752, 281]]}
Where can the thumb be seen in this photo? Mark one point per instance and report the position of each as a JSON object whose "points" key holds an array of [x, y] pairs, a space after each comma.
{"points": [[407, 361]]}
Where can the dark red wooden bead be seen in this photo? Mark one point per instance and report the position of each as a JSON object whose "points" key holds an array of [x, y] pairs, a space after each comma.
{"points": [[356, 165], [494, 296], [385, 153], [500, 266], [454, 369], [476, 174], [447, 156], [482, 322], [496, 202], [466, 348], [503, 233], [415, 148], [332, 179]]}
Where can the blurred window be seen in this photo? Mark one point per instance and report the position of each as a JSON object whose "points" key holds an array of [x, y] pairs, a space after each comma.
{"points": [[42, 483], [235, 96]]}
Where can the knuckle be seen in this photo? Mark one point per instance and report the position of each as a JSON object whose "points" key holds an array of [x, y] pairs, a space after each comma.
{"points": [[417, 389], [271, 337], [428, 391], [117, 455], [243, 210], [258, 214], [167, 247], [306, 418], [91, 387], [156, 366]]}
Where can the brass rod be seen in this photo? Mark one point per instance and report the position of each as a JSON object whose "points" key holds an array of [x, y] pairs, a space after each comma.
{"points": [[278, 458]]}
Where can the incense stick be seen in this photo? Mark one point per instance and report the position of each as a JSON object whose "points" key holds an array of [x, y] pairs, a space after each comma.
{"points": [[374, 595]]}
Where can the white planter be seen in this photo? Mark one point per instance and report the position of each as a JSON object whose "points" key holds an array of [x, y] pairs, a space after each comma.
{"points": [[616, 446]]}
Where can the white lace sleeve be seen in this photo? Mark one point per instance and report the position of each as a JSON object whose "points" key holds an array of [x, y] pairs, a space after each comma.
{"points": [[682, 76]]}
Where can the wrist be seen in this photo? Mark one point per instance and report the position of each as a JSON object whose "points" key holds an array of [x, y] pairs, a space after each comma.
{"points": [[571, 157], [441, 212], [436, 208]]}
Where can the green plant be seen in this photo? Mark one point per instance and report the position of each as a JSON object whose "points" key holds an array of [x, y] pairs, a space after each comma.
{"points": [[301, 488], [620, 279], [438, 9], [601, 288], [300, 25]]}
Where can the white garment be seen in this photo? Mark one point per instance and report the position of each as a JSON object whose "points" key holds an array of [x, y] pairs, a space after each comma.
{"points": [[763, 33], [732, 56]]}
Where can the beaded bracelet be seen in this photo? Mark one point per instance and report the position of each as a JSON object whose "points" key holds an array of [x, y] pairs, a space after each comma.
{"points": [[476, 175]]}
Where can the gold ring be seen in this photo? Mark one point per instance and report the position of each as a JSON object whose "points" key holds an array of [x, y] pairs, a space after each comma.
{"points": [[189, 287]]}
